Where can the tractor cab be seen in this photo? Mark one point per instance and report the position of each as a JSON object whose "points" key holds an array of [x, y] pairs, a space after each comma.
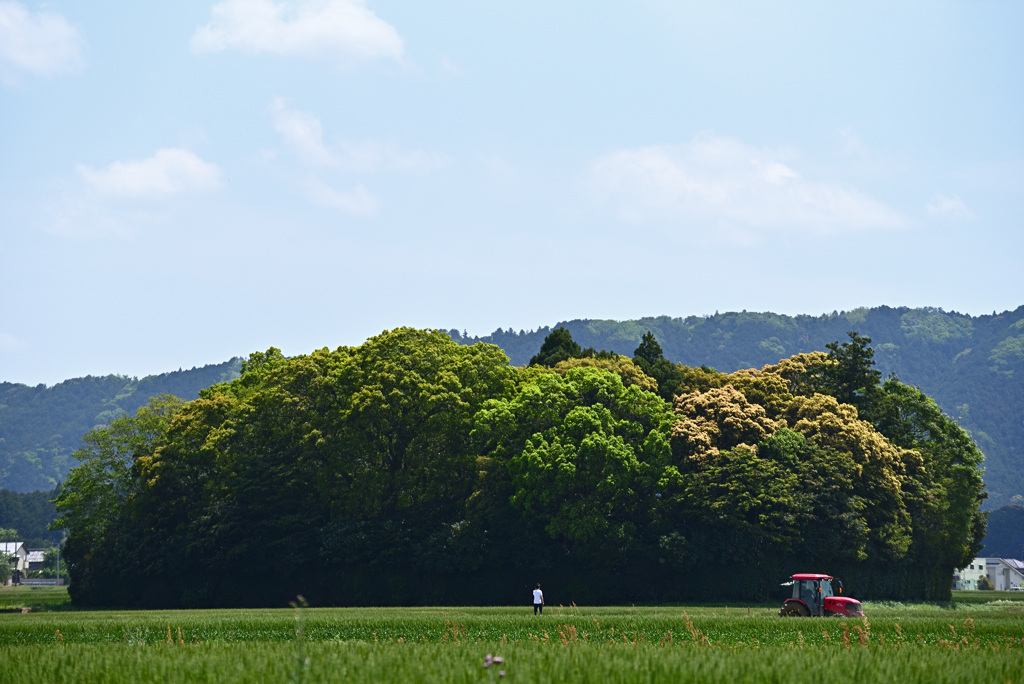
{"points": [[812, 590], [819, 595]]}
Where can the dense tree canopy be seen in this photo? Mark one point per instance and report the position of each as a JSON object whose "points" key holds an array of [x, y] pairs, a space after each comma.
{"points": [[970, 365], [414, 469], [582, 453], [558, 346], [622, 366], [649, 357]]}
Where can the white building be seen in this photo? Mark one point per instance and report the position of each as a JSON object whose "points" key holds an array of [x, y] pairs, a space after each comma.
{"points": [[16, 554], [967, 577], [1005, 574]]}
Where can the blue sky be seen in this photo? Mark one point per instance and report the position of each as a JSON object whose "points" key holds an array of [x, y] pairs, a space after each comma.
{"points": [[185, 182]]}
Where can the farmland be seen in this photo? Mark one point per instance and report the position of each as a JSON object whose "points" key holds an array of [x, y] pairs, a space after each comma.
{"points": [[963, 641]]}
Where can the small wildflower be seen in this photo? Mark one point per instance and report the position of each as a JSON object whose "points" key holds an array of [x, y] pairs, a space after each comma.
{"points": [[493, 660]]}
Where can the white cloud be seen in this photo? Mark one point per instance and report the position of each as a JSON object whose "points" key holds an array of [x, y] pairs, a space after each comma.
{"points": [[303, 132], [40, 43], [732, 185], [170, 171], [950, 208], [358, 201], [375, 155], [331, 29]]}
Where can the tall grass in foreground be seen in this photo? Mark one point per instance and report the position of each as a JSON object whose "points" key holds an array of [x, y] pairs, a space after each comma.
{"points": [[713, 644], [456, 663]]}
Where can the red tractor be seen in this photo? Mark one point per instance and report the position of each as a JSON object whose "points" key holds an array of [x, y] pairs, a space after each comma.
{"points": [[814, 595]]}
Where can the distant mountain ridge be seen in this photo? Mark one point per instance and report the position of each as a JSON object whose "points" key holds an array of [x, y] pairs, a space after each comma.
{"points": [[40, 427], [972, 366]]}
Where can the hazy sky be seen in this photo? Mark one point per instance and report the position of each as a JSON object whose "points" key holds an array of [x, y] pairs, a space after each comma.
{"points": [[185, 182]]}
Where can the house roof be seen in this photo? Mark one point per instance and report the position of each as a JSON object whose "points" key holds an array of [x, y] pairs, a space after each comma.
{"points": [[992, 561], [36, 556], [1015, 564], [11, 548]]}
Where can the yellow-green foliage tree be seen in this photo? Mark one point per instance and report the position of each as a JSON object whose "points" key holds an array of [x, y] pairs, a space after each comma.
{"points": [[716, 420], [622, 366], [902, 482]]}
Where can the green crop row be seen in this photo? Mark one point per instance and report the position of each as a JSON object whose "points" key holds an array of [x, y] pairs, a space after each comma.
{"points": [[734, 644], [713, 625], [523, 662], [16, 598]]}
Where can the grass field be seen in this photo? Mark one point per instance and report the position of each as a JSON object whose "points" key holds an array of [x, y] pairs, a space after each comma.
{"points": [[971, 640]]}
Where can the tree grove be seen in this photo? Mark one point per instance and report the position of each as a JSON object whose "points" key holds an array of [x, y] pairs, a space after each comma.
{"points": [[412, 469]]}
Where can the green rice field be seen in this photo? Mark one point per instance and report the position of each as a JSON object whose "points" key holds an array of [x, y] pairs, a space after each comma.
{"points": [[978, 638]]}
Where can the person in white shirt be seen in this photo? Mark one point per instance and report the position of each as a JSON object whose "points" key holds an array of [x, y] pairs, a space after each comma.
{"points": [[538, 600]]}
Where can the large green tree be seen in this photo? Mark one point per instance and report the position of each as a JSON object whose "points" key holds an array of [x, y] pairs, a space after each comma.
{"points": [[398, 444], [95, 501], [648, 350], [651, 360], [848, 373], [557, 346], [943, 487], [349, 458], [583, 453]]}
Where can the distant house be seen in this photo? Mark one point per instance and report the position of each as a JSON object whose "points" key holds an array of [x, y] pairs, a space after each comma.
{"points": [[35, 558], [1005, 574], [16, 554]]}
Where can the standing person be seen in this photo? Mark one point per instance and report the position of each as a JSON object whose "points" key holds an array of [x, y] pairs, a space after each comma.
{"points": [[538, 600]]}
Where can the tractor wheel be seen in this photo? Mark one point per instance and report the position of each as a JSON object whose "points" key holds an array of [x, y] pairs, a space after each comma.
{"points": [[794, 610]]}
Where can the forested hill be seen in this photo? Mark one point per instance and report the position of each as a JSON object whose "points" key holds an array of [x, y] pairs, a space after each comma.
{"points": [[972, 366], [41, 426]]}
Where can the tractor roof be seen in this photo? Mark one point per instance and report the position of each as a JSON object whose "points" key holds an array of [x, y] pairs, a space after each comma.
{"points": [[811, 576]]}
